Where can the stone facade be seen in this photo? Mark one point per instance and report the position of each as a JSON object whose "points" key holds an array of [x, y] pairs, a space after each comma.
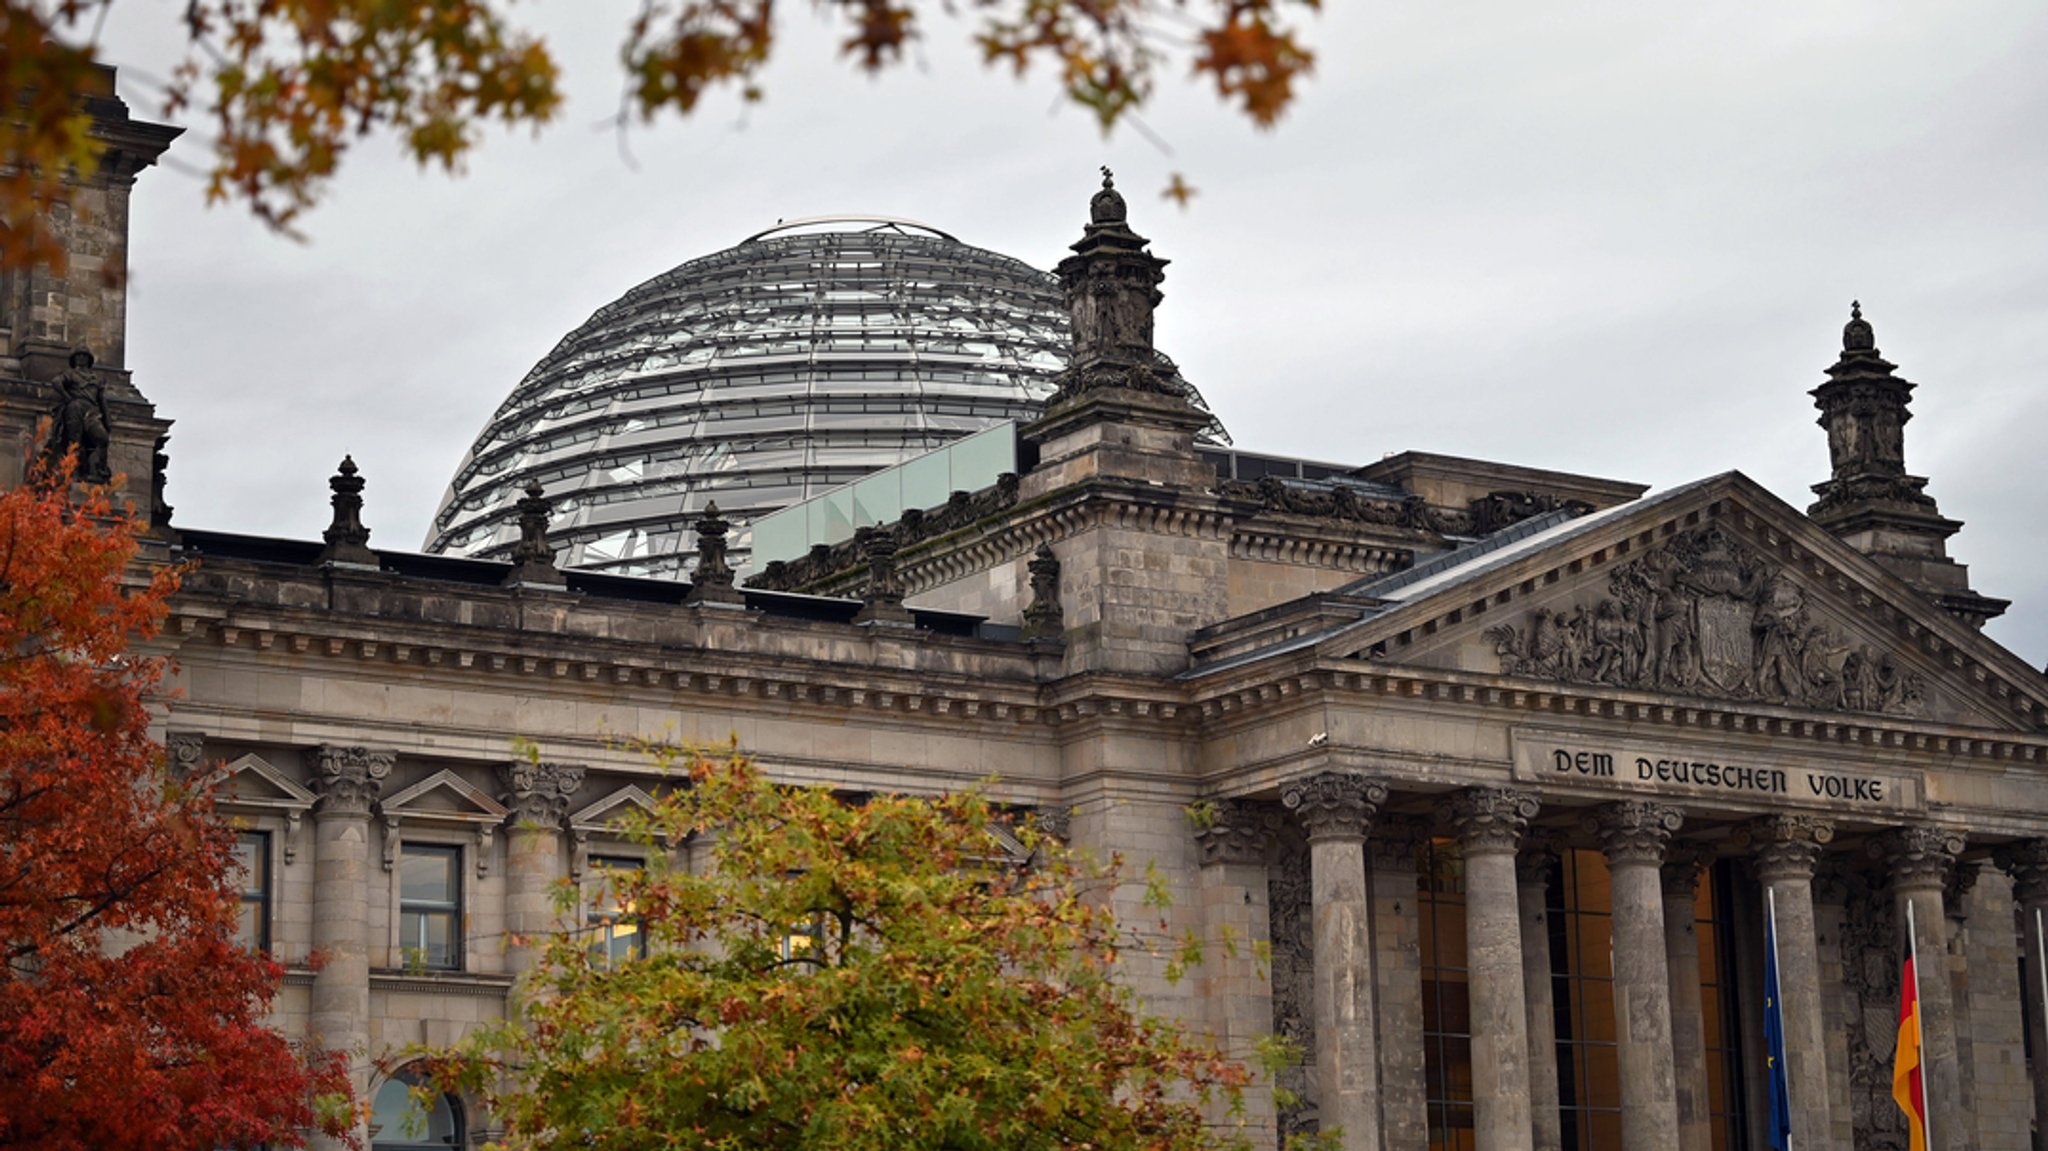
{"points": [[1505, 766]]}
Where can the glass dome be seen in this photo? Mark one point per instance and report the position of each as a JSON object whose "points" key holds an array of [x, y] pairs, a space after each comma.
{"points": [[805, 357]]}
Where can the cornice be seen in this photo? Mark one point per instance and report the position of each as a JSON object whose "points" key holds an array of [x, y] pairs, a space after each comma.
{"points": [[1246, 698]]}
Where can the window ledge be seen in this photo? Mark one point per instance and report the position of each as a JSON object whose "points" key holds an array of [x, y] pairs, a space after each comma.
{"points": [[441, 982]]}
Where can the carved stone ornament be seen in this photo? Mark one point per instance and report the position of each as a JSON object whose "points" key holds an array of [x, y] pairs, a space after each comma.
{"points": [[1335, 804], [1054, 819], [1497, 510], [1235, 832], [1919, 856], [1706, 616], [1290, 900], [538, 793], [1785, 846], [2027, 862], [79, 423], [533, 557], [1043, 617], [348, 541], [1321, 500], [1684, 863], [159, 476], [711, 581], [1489, 820], [882, 600], [1869, 935], [184, 753], [347, 779], [1634, 831]]}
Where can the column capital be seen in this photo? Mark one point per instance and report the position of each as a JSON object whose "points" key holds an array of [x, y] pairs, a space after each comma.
{"points": [[538, 792], [1634, 830], [1233, 831], [1396, 841], [1335, 804], [1489, 820], [1919, 855], [1683, 864], [1785, 846], [1537, 857], [2026, 860], [347, 778]]}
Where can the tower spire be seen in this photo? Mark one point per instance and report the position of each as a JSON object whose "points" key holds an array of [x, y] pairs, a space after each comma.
{"points": [[1869, 500]]}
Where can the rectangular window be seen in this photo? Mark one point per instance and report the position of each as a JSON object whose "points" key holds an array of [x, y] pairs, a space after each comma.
{"points": [[252, 867], [430, 907], [615, 934]]}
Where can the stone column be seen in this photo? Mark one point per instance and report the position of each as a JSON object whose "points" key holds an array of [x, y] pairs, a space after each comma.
{"points": [[2002, 1094], [1787, 848], [1337, 808], [1236, 920], [538, 794], [1920, 859], [1397, 963], [346, 780], [2027, 863], [1489, 823], [1533, 868], [1633, 835], [1681, 876]]}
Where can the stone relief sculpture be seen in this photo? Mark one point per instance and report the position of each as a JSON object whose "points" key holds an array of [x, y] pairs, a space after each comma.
{"points": [[1871, 977], [80, 422], [1707, 616], [1292, 928]]}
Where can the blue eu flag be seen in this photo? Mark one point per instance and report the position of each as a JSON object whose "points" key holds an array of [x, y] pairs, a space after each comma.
{"points": [[1780, 1126]]}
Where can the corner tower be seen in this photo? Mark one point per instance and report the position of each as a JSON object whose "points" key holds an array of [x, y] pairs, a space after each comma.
{"points": [[1143, 564], [1869, 501]]}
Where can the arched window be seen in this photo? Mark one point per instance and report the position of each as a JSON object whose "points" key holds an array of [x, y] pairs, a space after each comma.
{"points": [[399, 1123]]}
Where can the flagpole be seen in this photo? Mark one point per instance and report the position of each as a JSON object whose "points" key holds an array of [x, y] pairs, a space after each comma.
{"points": [[1920, 1024], [1771, 909]]}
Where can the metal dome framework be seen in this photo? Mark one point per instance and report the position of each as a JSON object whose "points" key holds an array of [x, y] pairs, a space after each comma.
{"points": [[807, 356]]}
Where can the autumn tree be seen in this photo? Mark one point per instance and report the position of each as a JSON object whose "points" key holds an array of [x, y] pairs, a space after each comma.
{"points": [[288, 85], [130, 1017], [871, 976]]}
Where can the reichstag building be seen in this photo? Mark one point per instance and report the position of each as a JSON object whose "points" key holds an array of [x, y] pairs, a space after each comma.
{"points": [[1507, 764]]}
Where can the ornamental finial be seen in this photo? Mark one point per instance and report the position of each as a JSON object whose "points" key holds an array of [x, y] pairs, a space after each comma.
{"points": [[1107, 206], [1858, 336]]}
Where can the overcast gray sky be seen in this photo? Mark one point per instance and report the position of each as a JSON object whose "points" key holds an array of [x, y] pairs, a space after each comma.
{"points": [[1609, 237]]}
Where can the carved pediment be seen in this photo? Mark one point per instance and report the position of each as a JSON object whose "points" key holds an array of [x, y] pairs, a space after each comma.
{"points": [[605, 815], [1715, 591], [253, 782], [445, 797], [1705, 615]]}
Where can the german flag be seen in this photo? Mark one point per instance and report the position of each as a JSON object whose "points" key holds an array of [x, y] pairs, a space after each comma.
{"points": [[1907, 1086]]}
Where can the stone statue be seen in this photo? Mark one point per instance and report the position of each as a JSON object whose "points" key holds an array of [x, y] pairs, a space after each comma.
{"points": [[81, 424]]}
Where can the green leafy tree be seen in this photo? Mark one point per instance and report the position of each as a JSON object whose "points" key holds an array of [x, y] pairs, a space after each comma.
{"points": [[289, 85], [870, 977]]}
